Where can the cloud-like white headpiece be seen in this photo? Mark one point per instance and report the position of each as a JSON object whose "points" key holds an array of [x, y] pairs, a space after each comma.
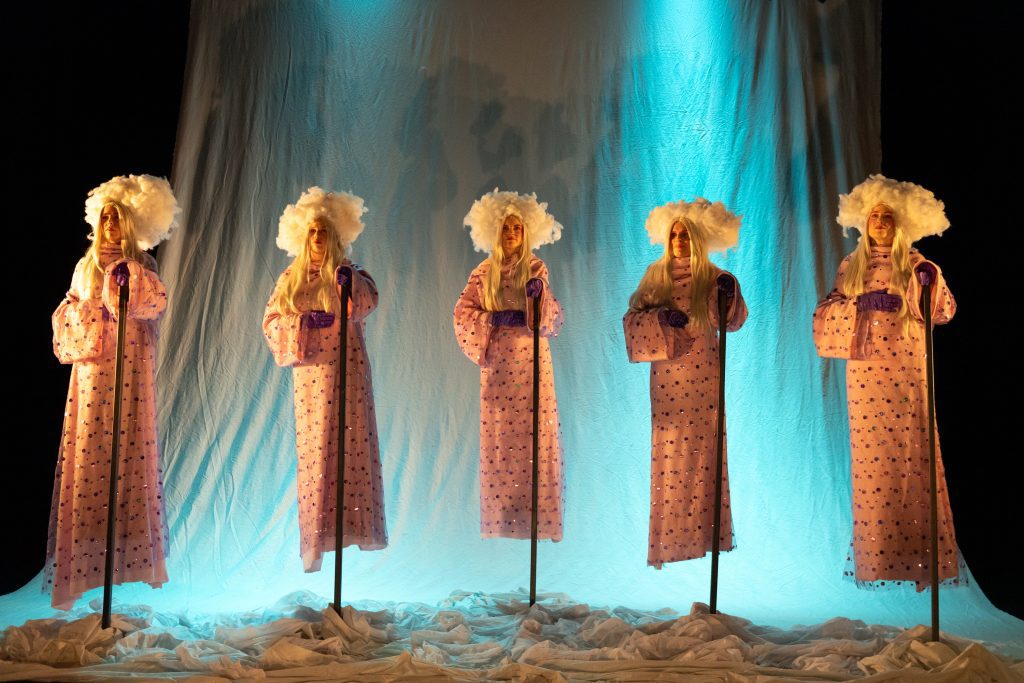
{"points": [[341, 209], [918, 213], [719, 228], [150, 200], [488, 213]]}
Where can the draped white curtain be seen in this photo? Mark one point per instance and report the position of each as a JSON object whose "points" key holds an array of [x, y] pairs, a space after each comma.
{"points": [[605, 109]]}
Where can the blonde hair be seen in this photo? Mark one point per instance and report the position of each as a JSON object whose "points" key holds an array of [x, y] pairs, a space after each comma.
{"points": [[899, 281], [298, 273], [656, 286], [129, 246], [520, 269]]}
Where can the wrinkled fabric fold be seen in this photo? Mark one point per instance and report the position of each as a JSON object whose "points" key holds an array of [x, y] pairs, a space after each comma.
{"points": [[485, 637]]}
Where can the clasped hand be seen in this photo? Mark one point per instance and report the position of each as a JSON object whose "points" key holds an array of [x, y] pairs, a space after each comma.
{"points": [[879, 300]]}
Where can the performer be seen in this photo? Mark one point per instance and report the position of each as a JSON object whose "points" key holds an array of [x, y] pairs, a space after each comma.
{"points": [[128, 215], [672, 323], [873, 319], [302, 328], [493, 325]]}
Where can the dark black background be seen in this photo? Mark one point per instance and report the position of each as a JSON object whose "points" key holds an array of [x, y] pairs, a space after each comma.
{"points": [[94, 91]]}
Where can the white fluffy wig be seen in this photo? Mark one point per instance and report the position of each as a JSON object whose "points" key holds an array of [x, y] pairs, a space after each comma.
{"points": [[150, 200], [488, 213], [719, 228], [341, 209], [918, 213]]}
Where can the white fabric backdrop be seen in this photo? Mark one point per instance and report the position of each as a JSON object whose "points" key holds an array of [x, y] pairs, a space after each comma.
{"points": [[605, 109]]}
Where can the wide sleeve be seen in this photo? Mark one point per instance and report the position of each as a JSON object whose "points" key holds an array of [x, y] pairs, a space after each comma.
{"points": [[364, 294], [78, 324], [943, 303], [551, 318], [472, 323], [835, 321], [647, 340], [284, 332], [736, 315]]}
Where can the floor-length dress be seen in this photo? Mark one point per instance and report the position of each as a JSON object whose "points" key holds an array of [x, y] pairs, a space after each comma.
{"points": [[887, 402], [506, 406], [313, 356], [85, 334], [684, 421]]}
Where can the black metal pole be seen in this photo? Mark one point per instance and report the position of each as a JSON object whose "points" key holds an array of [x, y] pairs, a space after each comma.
{"points": [[115, 456], [339, 504], [929, 349], [535, 493], [723, 305]]}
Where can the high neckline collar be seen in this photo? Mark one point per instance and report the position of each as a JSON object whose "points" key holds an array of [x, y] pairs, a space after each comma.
{"points": [[510, 261]]}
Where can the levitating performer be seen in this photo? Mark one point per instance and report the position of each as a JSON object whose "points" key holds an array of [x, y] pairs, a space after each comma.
{"points": [[672, 323], [128, 215], [872, 318], [302, 327], [493, 325]]}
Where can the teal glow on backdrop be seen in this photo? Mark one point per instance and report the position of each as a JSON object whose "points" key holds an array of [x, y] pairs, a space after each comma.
{"points": [[605, 109]]}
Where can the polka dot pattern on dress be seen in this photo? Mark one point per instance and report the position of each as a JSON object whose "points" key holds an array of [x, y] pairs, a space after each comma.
{"points": [[506, 408]]}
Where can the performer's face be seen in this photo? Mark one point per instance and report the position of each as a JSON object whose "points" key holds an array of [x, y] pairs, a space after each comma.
{"points": [[881, 225], [319, 234], [512, 234], [679, 240], [110, 225]]}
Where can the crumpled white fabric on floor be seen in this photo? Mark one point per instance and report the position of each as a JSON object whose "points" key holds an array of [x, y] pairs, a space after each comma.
{"points": [[605, 109], [477, 637]]}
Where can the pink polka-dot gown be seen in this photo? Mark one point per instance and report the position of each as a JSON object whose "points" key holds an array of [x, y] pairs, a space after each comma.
{"points": [[313, 356], [85, 334], [888, 410], [504, 355], [684, 422]]}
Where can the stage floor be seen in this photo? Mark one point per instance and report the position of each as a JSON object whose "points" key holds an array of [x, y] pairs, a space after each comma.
{"points": [[476, 636]]}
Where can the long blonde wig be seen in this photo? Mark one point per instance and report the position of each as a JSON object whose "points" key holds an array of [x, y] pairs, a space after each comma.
{"points": [[899, 281], [656, 286], [93, 275], [299, 274], [520, 269]]}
